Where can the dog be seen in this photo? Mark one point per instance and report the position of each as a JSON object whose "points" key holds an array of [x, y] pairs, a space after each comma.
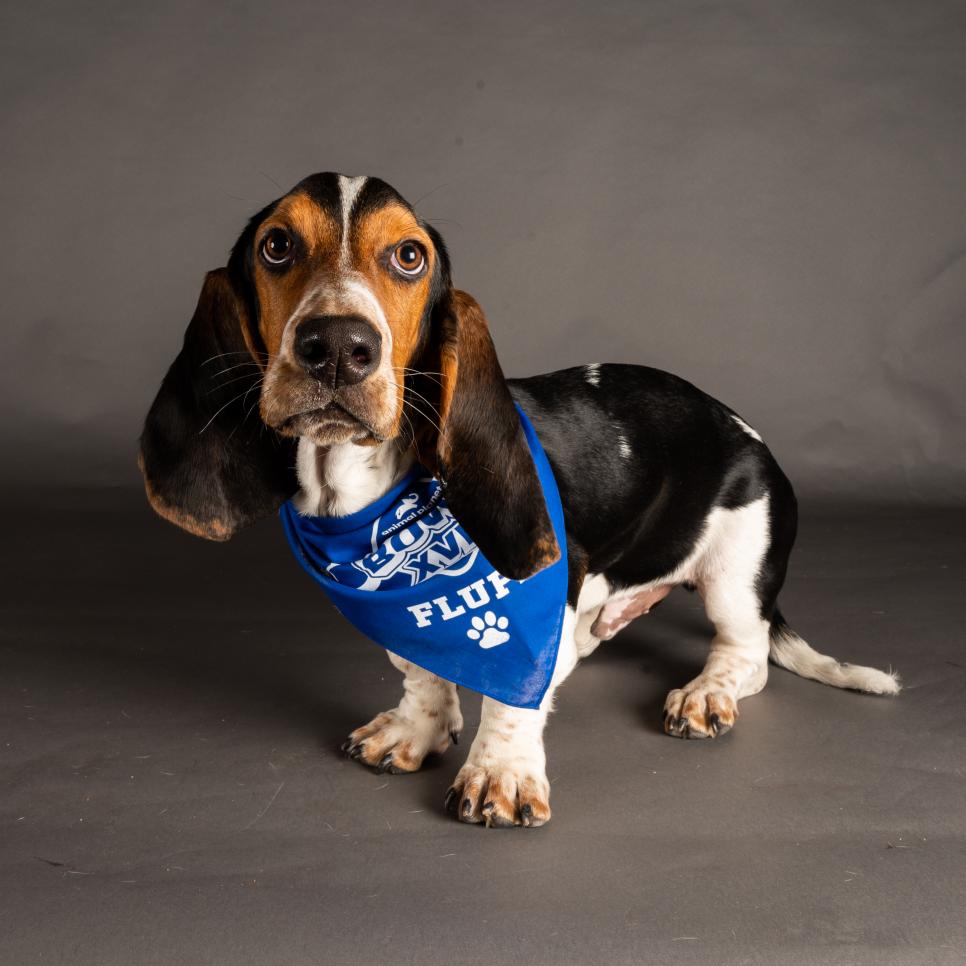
{"points": [[336, 318]]}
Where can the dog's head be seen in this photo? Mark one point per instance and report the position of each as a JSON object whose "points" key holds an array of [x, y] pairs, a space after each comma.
{"points": [[336, 320]]}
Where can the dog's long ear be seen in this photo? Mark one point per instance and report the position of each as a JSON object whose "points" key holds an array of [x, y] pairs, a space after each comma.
{"points": [[210, 465], [481, 453]]}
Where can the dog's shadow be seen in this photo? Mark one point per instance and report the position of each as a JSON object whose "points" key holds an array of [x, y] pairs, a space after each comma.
{"points": [[663, 650]]}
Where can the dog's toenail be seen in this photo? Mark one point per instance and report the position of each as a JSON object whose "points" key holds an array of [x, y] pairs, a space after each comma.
{"points": [[386, 763]]}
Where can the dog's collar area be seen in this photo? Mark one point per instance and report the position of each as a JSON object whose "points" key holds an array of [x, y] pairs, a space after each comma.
{"points": [[405, 573]]}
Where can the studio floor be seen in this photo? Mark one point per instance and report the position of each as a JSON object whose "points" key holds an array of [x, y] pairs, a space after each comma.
{"points": [[173, 792]]}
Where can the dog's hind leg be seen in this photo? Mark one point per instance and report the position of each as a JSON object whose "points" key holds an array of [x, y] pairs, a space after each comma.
{"points": [[737, 665]]}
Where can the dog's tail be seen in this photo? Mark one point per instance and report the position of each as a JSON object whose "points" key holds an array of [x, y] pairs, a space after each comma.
{"points": [[790, 651]]}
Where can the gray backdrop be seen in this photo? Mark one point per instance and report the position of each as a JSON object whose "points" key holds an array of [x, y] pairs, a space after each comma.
{"points": [[768, 198]]}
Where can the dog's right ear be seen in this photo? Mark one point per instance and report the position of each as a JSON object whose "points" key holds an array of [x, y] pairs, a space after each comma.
{"points": [[210, 464]]}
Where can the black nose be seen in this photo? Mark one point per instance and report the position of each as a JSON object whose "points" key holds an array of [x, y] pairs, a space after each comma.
{"points": [[339, 350]]}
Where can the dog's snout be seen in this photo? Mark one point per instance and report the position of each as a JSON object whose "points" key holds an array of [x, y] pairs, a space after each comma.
{"points": [[339, 350]]}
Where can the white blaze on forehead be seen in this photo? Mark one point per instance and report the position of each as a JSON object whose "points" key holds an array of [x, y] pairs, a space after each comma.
{"points": [[358, 294], [349, 189], [592, 373]]}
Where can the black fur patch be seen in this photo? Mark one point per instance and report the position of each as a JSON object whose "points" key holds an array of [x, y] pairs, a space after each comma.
{"points": [[635, 519]]}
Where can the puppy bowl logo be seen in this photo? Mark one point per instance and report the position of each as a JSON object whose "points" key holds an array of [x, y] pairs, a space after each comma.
{"points": [[489, 630], [410, 551]]}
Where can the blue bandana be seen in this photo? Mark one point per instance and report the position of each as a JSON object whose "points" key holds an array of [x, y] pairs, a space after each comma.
{"points": [[407, 575]]}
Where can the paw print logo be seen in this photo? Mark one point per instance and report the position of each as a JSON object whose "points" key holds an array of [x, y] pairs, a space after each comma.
{"points": [[489, 630]]}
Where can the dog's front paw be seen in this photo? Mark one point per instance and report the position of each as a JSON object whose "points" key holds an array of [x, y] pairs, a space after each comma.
{"points": [[396, 743], [697, 712], [499, 795]]}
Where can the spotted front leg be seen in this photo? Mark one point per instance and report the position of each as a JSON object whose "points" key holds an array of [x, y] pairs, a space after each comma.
{"points": [[426, 720], [504, 781]]}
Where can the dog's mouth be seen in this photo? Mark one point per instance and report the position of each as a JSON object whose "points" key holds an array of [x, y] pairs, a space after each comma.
{"points": [[325, 425], [304, 408], [318, 416]]}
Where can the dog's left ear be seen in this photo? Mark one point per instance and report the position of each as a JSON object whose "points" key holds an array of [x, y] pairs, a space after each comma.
{"points": [[210, 465], [480, 451]]}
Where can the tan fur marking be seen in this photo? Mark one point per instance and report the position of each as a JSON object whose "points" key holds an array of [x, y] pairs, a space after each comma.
{"points": [[399, 740], [403, 301], [499, 804], [280, 295], [724, 706], [545, 552], [531, 795], [700, 713], [215, 530]]}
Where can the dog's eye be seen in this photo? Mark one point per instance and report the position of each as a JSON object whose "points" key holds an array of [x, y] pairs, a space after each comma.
{"points": [[408, 258], [277, 247]]}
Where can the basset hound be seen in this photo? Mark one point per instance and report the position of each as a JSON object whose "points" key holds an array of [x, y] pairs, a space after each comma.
{"points": [[337, 321]]}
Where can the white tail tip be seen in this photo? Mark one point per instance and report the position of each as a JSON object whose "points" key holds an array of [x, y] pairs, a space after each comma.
{"points": [[790, 651]]}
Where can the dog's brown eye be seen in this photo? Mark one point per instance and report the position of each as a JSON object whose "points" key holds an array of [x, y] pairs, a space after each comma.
{"points": [[408, 258], [277, 247]]}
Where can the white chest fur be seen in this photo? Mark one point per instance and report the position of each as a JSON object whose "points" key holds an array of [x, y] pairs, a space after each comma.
{"points": [[342, 479]]}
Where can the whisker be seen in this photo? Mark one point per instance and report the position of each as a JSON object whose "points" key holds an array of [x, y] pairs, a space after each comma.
{"points": [[419, 372], [425, 400], [402, 410], [228, 382], [270, 178], [412, 429], [237, 352], [431, 191], [227, 404], [442, 433], [238, 365], [432, 422], [252, 406], [248, 412]]}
